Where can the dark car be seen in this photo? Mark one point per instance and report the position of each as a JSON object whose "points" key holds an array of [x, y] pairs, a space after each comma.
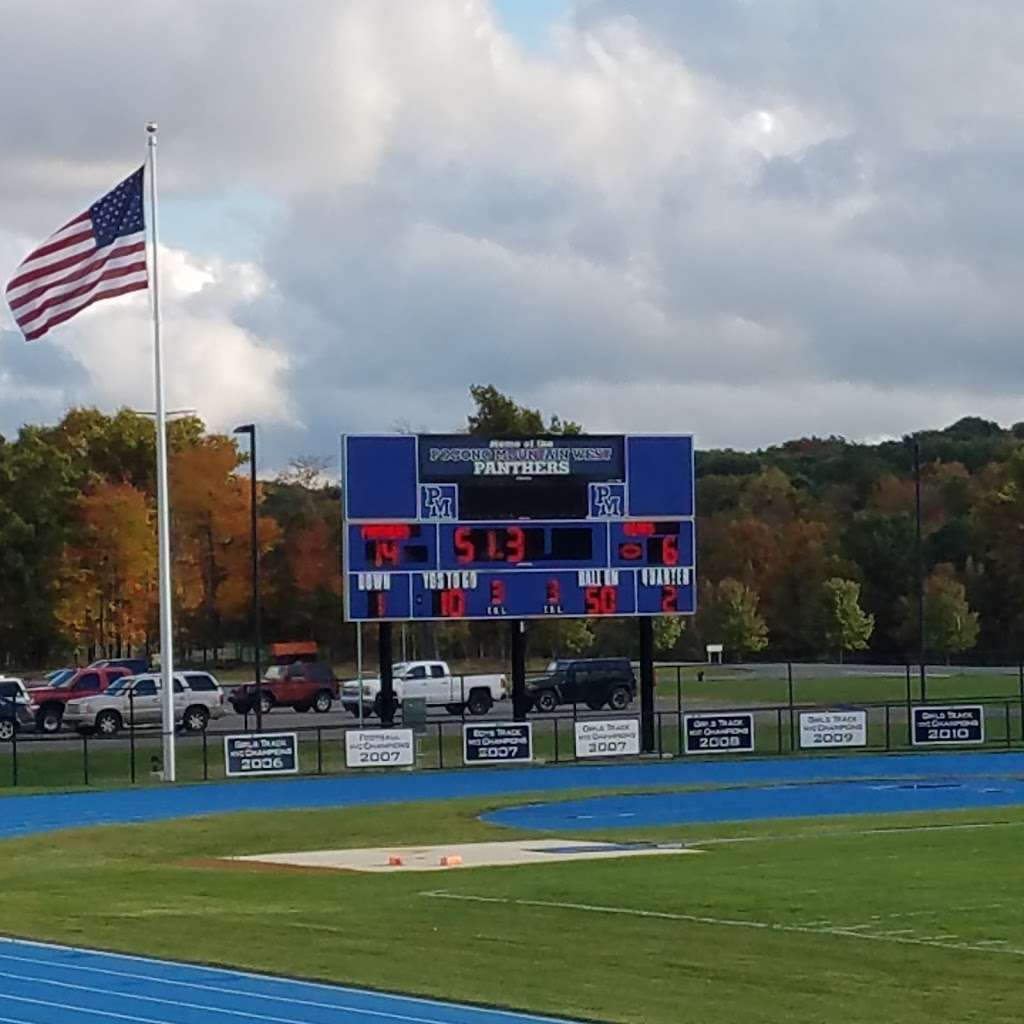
{"points": [[591, 681], [301, 685]]}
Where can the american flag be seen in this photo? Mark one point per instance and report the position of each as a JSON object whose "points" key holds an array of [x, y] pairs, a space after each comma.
{"points": [[99, 254]]}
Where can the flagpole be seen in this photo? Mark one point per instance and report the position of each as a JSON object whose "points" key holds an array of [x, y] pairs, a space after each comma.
{"points": [[162, 502]]}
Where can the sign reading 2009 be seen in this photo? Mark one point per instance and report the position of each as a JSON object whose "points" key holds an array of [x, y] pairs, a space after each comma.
{"points": [[954, 723], [820, 729], [497, 744], [270, 753], [719, 733], [459, 527]]}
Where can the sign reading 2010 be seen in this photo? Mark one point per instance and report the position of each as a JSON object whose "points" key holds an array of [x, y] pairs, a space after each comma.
{"points": [[949, 724]]}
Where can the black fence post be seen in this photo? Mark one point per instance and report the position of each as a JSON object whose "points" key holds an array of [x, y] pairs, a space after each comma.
{"points": [[319, 751], [789, 680], [778, 726], [1006, 709], [1020, 679], [910, 727], [206, 759], [555, 722], [658, 718], [888, 733], [85, 758], [14, 758], [646, 627], [679, 710], [440, 744]]}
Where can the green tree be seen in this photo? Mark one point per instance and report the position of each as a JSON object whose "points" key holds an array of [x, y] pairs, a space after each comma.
{"points": [[949, 624], [497, 414], [667, 631], [731, 617], [844, 625]]}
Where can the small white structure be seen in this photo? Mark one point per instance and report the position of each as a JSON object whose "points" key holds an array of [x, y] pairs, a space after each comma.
{"points": [[715, 653]]}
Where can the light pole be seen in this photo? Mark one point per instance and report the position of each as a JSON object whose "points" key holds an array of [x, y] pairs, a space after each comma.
{"points": [[920, 564], [250, 429]]}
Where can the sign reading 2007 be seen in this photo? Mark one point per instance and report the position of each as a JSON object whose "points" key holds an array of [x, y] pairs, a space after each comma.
{"points": [[721, 733], [954, 723], [441, 526], [497, 744], [271, 753]]}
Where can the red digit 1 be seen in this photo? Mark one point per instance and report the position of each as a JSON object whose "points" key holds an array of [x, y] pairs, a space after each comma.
{"points": [[554, 592], [670, 550], [464, 550], [669, 599], [380, 606], [515, 547]]}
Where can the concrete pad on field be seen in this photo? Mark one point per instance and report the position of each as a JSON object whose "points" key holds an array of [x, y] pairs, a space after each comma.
{"points": [[470, 855]]}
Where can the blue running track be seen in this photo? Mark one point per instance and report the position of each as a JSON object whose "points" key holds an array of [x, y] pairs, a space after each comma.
{"points": [[43, 984], [23, 815]]}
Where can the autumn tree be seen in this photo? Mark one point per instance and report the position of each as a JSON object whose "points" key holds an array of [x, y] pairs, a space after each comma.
{"points": [[108, 582], [844, 625], [950, 627]]}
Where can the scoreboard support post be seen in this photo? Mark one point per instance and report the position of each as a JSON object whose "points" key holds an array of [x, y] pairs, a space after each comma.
{"points": [[647, 745], [519, 702], [387, 685]]}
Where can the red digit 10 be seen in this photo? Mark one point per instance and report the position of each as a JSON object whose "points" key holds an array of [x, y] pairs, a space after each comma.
{"points": [[670, 599], [670, 550], [600, 600], [453, 603], [464, 550]]}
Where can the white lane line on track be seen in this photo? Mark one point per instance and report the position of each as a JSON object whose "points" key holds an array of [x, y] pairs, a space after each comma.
{"points": [[840, 833], [512, 1015], [245, 1014], [726, 922], [69, 1007]]}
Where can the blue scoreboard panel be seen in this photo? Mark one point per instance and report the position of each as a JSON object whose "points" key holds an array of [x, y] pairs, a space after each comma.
{"points": [[460, 527]]}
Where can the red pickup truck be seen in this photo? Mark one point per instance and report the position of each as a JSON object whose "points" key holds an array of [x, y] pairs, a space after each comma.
{"points": [[48, 701]]}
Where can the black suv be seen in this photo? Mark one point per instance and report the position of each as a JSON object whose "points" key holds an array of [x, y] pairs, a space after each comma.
{"points": [[591, 681]]}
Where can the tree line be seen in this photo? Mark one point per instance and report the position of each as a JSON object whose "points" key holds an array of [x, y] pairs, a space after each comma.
{"points": [[805, 549]]}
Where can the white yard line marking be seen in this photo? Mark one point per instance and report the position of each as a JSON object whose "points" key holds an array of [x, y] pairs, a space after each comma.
{"points": [[722, 921], [840, 833]]}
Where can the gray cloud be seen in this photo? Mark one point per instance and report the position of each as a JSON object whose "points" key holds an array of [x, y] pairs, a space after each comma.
{"points": [[747, 219]]}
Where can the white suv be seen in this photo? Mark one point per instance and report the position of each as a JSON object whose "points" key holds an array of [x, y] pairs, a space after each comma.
{"points": [[136, 699]]}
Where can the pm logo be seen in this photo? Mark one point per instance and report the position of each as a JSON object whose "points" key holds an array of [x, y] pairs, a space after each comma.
{"points": [[438, 501], [607, 501]]}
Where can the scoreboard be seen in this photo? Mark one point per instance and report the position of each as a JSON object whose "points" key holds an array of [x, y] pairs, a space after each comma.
{"points": [[462, 527]]}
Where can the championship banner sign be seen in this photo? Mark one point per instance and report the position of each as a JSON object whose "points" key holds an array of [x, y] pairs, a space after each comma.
{"points": [[607, 737], [949, 724], [720, 733], [273, 753], [497, 744], [379, 748], [819, 729]]}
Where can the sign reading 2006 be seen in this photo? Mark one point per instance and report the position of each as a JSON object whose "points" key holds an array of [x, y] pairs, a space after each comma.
{"points": [[275, 753], [721, 733]]}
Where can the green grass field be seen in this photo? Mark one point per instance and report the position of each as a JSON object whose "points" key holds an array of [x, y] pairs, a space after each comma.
{"points": [[810, 921]]}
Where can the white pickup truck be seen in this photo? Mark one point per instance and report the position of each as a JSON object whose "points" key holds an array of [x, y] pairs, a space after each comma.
{"points": [[432, 681]]}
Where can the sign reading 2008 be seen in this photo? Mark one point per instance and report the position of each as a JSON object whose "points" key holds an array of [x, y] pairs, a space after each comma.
{"points": [[461, 527], [272, 753], [719, 733]]}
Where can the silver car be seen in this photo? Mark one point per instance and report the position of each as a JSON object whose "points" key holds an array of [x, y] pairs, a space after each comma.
{"points": [[13, 691], [136, 699]]}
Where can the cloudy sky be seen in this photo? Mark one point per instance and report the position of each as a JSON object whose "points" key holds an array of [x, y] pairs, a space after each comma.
{"points": [[749, 219]]}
